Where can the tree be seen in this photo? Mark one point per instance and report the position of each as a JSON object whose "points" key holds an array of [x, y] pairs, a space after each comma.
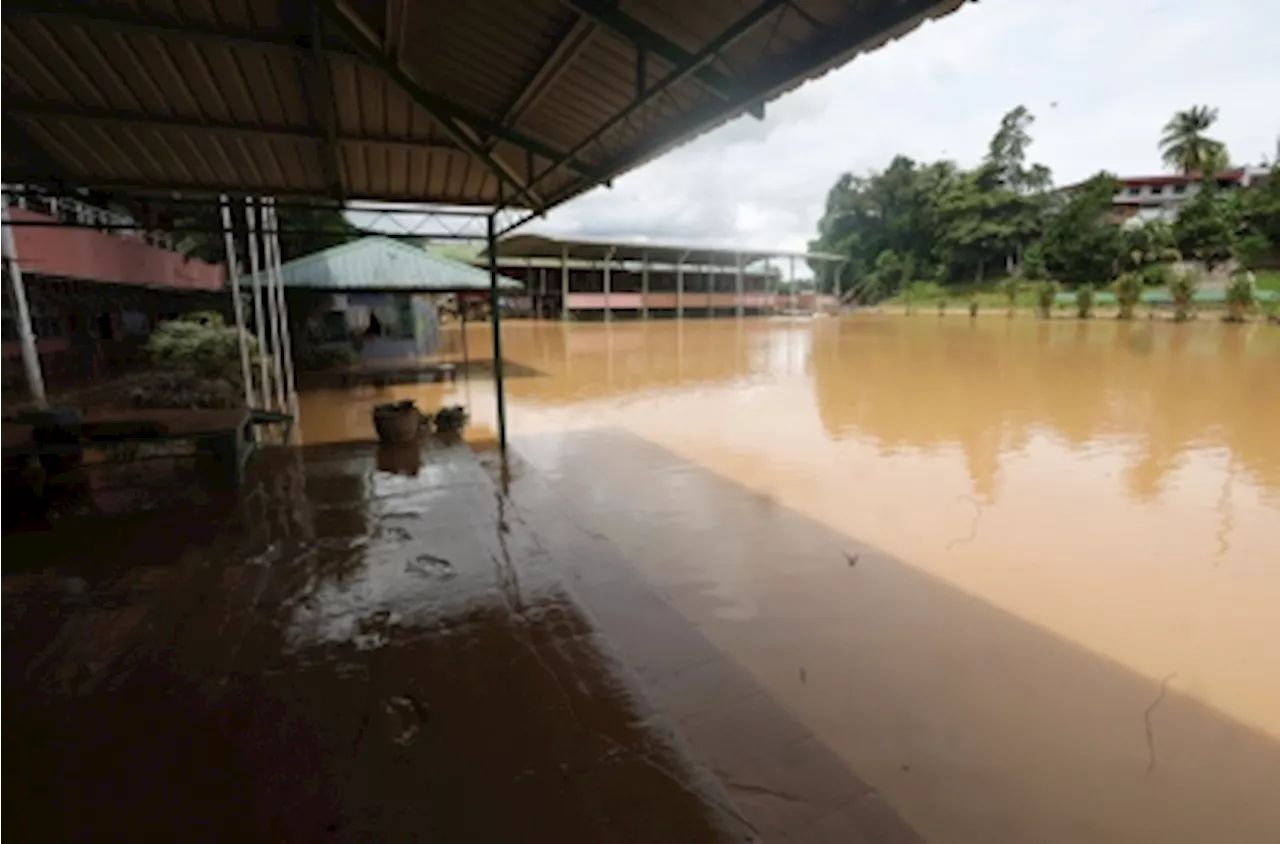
{"points": [[1185, 148], [1081, 244], [1128, 290], [1208, 226]]}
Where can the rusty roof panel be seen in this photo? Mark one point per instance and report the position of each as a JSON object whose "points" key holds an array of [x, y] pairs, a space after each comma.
{"points": [[430, 100]]}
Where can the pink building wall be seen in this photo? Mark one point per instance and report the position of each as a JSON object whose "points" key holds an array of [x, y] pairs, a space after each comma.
{"points": [[99, 256]]}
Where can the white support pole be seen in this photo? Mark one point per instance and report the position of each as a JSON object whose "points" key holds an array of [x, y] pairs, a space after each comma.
{"points": [[30, 354], [528, 281], [793, 285], [273, 301], [290, 386], [737, 264], [237, 307], [258, 321], [608, 285], [680, 285], [644, 285], [564, 282]]}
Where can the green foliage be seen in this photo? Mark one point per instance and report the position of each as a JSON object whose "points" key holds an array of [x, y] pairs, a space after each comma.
{"points": [[1046, 291], [1084, 301], [942, 307], [1081, 244], [973, 306], [1033, 266], [451, 420], [891, 274], [201, 344], [1239, 296], [960, 222], [1182, 287], [1156, 275], [1185, 148], [1128, 290], [1208, 226], [1260, 208], [1147, 244], [1009, 288]]}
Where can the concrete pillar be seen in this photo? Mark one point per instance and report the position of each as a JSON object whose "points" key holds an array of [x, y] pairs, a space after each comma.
{"points": [[644, 287], [30, 355], [564, 282]]}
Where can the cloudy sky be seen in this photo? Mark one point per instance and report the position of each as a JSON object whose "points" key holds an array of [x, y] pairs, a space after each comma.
{"points": [[1101, 77]]}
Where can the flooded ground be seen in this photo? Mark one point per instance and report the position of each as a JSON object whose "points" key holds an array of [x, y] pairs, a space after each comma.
{"points": [[1020, 577]]}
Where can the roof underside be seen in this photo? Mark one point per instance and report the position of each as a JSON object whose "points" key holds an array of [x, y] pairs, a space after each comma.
{"points": [[501, 102], [383, 264], [576, 249]]}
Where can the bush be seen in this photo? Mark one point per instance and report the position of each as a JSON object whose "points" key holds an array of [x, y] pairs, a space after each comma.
{"points": [[942, 307], [200, 344], [1128, 290], [973, 306], [1046, 291], [184, 390], [1084, 301], [1239, 296], [1183, 290], [1010, 287], [1156, 275]]}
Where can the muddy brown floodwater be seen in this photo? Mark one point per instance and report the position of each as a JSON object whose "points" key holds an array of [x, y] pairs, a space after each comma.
{"points": [[1021, 577]]}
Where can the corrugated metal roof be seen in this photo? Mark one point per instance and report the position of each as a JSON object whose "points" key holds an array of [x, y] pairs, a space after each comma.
{"points": [[523, 102], [380, 263]]}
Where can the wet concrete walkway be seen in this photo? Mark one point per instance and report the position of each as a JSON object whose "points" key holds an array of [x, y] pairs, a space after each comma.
{"points": [[382, 646]]}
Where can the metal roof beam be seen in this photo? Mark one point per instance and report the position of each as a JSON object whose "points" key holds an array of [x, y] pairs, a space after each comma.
{"points": [[731, 34], [353, 28], [318, 87], [838, 41], [647, 40], [571, 42], [44, 111]]}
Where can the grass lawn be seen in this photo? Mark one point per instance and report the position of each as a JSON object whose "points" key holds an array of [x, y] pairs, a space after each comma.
{"points": [[1268, 280]]}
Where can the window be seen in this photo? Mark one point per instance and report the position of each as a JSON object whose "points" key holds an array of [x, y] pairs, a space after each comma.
{"points": [[1156, 190], [1179, 189], [1134, 190]]}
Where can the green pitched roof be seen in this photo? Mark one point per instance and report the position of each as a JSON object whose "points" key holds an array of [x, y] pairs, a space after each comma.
{"points": [[381, 263]]}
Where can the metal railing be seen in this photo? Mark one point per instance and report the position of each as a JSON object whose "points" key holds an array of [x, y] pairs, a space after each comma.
{"points": [[74, 212]]}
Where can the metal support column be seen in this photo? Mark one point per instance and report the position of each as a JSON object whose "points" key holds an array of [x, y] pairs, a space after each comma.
{"points": [[608, 286], [290, 385], [237, 306], [644, 286], [680, 286], [30, 354], [564, 282], [273, 303], [495, 316], [258, 321], [793, 285], [737, 265]]}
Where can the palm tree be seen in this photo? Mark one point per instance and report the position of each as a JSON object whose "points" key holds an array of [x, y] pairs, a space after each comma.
{"points": [[1184, 145]]}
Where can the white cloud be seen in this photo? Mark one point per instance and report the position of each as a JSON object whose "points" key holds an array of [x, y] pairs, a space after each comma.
{"points": [[1101, 76]]}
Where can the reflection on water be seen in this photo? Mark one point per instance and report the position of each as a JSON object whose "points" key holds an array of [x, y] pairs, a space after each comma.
{"points": [[1113, 487]]}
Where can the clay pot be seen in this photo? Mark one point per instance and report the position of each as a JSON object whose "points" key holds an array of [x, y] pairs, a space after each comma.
{"points": [[399, 422]]}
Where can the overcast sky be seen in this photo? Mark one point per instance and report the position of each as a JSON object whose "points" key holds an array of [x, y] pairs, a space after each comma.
{"points": [[1100, 76]]}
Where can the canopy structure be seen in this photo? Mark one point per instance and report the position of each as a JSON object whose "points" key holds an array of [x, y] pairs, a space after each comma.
{"points": [[489, 104], [385, 265], [579, 249]]}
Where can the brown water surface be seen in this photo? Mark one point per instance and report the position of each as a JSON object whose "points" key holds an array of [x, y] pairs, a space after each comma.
{"points": [[1021, 576]]}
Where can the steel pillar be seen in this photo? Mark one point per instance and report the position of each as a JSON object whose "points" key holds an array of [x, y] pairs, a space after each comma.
{"points": [[737, 264], [564, 282], [792, 287], [644, 286], [680, 286], [495, 316], [237, 306], [259, 322]]}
